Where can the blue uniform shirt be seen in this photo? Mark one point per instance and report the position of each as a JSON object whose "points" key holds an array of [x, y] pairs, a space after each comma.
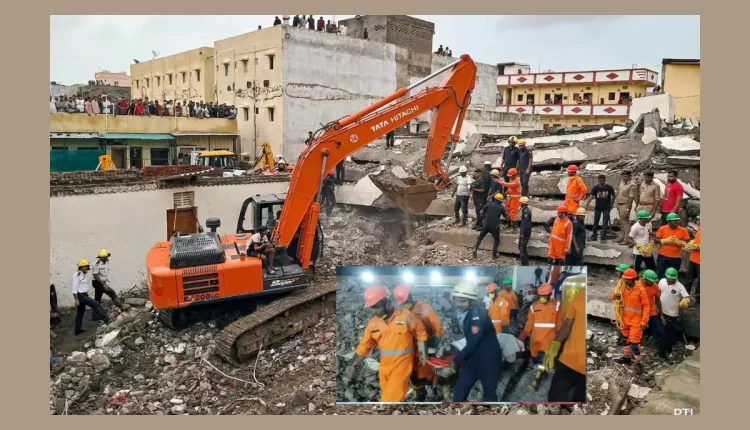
{"points": [[482, 348]]}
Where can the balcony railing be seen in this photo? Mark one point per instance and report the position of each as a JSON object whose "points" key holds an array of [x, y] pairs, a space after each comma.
{"points": [[568, 110], [594, 77], [82, 123]]}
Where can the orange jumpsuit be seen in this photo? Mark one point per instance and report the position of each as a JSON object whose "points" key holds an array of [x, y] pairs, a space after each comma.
{"points": [[510, 297], [394, 337], [513, 195], [636, 310], [427, 316], [543, 322], [559, 241], [653, 292], [499, 313], [574, 353], [575, 193], [695, 255]]}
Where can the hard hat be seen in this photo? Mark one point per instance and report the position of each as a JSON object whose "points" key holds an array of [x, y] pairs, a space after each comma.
{"points": [[650, 275], [281, 161], [465, 290], [572, 168], [524, 200], [83, 262], [512, 172], [401, 294], [495, 172], [103, 253], [622, 268], [507, 281], [487, 163], [498, 196], [698, 217], [562, 208], [544, 289], [673, 217], [671, 273], [512, 139], [522, 141], [491, 288], [462, 169], [643, 214], [374, 294], [580, 211], [630, 274]]}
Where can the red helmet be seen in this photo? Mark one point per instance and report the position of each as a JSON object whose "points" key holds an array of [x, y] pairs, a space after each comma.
{"points": [[630, 274], [572, 168], [374, 294], [544, 289], [401, 294], [562, 208], [512, 172], [491, 288]]}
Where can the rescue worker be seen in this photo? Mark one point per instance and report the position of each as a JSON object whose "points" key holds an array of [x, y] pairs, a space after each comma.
{"points": [[656, 322], [526, 159], [499, 310], [479, 195], [422, 374], [81, 297], [641, 238], [509, 295], [525, 231], [649, 195], [328, 194], [102, 282], [694, 265], [491, 214], [626, 194], [481, 358], [495, 186], [487, 177], [635, 313], [569, 381], [462, 192], [674, 297], [560, 237], [620, 269], [576, 190], [281, 167], [54, 314], [542, 323], [513, 194], [671, 238], [511, 157], [575, 257], [394, 331]]}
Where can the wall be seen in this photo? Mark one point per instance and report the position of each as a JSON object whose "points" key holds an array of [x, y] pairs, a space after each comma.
{"points": [[120, 79], [664, 102], [580, 122], [80, 123], [683, 82], [81, 225], [185, 62], [416, 36], [327, 77], [598, 92], [248, 67]]}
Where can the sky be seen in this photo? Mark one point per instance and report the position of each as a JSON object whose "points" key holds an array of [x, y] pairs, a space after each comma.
{"points": [[84, 44]]}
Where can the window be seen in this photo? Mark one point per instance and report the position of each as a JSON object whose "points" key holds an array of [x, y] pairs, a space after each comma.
{"points": [[170, 78], [270, 62], [520, 97], [198, 75], [529, 99], [270, 114], [257, 111], [520, 71], [226, 69], [624, 87], [183, 200], [136, 84], [247, 113], [575, 97], [248, 84], [266, 83], [159, 156], [183, 77], [146, 82], [244, 66], [158, 81], [558, 99], [611, 96], [547, 98]]}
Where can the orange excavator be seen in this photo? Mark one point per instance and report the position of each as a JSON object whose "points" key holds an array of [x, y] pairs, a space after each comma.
{"points": [[191, 273]]}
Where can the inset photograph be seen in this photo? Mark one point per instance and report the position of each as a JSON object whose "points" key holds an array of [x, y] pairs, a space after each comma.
{"points": [[435, 334]]}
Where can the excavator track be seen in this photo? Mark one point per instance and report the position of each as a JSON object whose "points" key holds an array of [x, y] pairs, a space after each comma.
{"points": [[275, 322]]}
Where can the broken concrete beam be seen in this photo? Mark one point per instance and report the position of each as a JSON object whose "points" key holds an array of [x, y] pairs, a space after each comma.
{"points": [[685, 160], [645, 154], [680, 145], [378, 155], [650, 135]]}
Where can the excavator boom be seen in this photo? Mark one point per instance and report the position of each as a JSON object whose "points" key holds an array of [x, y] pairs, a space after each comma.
{"points": [[447, 102]]}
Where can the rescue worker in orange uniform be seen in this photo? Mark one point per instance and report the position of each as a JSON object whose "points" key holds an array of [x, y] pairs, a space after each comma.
{"points": [[576, 191], [499, 310], [511, 297], [394, 331], [620, 269], [422, 374], [569, 381], [635, 314], [543, 321], [694, 265], [560, 237], [513, 193]]}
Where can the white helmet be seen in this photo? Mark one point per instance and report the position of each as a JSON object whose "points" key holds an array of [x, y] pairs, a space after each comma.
{"points": [[462, 169], [465, 290]]}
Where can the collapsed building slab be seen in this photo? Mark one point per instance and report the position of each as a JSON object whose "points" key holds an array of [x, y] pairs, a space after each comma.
{"points": [[680, 145], [685, 160]]}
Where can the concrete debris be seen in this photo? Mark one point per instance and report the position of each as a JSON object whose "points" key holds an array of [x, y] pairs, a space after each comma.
{"points": [[136, 301], [684, 160], [680, 145], [649, 135], [638, 392]]}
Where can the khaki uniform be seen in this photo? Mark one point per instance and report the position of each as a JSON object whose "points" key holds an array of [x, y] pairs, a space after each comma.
{"points": [[625, 192], [649, 196]]}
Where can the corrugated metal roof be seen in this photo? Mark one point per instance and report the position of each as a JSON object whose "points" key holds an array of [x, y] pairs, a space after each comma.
{"points": [[138, 136], [75, 135]]}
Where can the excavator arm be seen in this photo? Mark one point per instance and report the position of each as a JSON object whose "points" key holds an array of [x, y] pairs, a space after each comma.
{"points": [[448, 102]]}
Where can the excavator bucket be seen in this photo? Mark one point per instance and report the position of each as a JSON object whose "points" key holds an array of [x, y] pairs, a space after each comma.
{"points": [[412, 195]]}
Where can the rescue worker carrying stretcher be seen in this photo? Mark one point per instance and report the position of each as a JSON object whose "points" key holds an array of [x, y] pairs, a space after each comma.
{"points": [[635, 314], [543, 321], [422, 374], [394, 331], [499, 310]]}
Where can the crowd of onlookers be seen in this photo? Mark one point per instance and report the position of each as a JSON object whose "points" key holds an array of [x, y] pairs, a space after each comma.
{"points": [[445, 52], [309, 22], [140, 107]]}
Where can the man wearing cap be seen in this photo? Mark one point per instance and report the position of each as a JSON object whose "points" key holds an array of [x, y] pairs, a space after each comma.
{"points": [[526, 159], [656, 321], [674, 297], [560, 238], [462, 192], [513, 188], [626, 193], [486, 176], [641, 239], [499, 310], [511, 157], [478, 194], [509, 295], [635, 314], [576, 190], [575, 257], [671, 238], [649, 194], [102, 280], [491, 215], [495, 186], [525, 231], [80, 284]]}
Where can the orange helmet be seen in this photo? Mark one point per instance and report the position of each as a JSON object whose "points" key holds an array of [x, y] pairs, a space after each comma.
{"points": [[374, 294], [544, 289], [562, 208], [572, 168], [401, 293], [630, 274], [491, 288], [512, 172]]}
